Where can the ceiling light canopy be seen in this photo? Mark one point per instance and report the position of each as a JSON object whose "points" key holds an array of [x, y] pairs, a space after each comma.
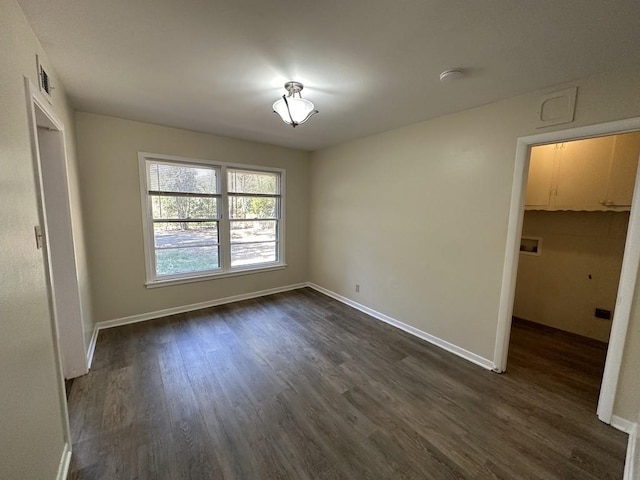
{"points": [[294, 110]]}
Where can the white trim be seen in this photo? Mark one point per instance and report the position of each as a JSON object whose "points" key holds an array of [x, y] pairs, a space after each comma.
{"points": [[631, 464], [622, 424], [52, 178], [147, 236], [230, 273], [92, 346], [631, 428], [35, 99], [116, 322], [450, 347], [622, 309], [630, 265], [512, 256], [65, 461], [224, 222]]}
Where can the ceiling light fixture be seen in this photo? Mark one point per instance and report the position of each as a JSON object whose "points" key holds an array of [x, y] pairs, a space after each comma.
{"points": [[294, 110]]}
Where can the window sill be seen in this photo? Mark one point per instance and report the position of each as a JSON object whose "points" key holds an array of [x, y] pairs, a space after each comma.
{"points": [[213, 276]]}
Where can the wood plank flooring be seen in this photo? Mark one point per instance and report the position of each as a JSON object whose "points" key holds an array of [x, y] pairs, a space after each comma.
{"points": [[299, 386]]}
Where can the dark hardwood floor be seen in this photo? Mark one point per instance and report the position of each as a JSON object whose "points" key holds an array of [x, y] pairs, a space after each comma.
{"points": [[299, 386]]}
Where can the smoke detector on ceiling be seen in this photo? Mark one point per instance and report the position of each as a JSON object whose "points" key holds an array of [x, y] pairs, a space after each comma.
{"points": [[449, 75]]}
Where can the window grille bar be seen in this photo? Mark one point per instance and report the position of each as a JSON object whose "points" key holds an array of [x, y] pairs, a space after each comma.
{"points": [[256, 242], [255, 195], [185, 220], [188, 246], [162, 193]]}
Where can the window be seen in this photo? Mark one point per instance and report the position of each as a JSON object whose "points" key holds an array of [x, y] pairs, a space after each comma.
{"points": [[203, 219]]}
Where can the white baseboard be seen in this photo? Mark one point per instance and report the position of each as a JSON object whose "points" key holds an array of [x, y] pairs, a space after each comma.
{"points": [[449, 347], [194, 306], [92, 346], [622, 424], [65, 460], [631, 464], [631, 428]]}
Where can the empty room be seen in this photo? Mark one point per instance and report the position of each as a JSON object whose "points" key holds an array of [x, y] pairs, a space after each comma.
{"points": [[371, 240]]}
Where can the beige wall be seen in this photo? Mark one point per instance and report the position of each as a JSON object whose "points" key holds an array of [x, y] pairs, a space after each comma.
{"points": [[108, 148], [31, 420], [636, 460], [77, 219], [627, 404], [418, 216], [555, 288]]}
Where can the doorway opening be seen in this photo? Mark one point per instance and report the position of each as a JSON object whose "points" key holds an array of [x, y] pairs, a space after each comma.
{"points": [[577, 204], [55, 235], [630, 261]]}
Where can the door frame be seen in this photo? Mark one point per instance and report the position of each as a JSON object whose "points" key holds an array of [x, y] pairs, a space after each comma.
{"points": [[630, 262], [35, 101], [52, 181], [47, 135]]}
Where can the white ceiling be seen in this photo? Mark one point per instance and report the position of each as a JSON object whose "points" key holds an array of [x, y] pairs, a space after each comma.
{"points": [[218, 65]]}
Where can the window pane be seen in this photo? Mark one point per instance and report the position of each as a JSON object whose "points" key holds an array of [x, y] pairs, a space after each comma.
{"points": [[173, 261], [253, 231], [251, 253], [252, 207], [185, 234], [182, 178], [184, 207], [243, 181]]}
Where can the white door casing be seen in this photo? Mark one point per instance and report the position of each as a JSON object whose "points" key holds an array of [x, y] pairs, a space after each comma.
{"points": [[630, 263], [48, 147]]}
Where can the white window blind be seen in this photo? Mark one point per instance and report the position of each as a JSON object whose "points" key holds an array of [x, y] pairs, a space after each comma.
{"points": [[206, 219]]}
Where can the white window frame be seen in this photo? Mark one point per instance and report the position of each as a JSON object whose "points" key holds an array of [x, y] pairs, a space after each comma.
{"points": [[224, 237]]}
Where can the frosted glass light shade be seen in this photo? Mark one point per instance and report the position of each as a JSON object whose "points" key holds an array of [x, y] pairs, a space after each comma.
{"points": [[298, 111]]}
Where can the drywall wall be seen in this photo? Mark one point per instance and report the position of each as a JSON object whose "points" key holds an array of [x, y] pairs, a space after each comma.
{"points": [[636, 458], [31, 393], [577, 271], [80, 245], [108, 150], [418, 216]]}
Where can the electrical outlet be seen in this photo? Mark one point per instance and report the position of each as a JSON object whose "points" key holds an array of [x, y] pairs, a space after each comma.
{"points": [[603, 313], [357, 288]]}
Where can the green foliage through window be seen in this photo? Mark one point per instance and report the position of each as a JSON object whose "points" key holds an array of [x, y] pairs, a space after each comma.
{"points": [[185, 202]]}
